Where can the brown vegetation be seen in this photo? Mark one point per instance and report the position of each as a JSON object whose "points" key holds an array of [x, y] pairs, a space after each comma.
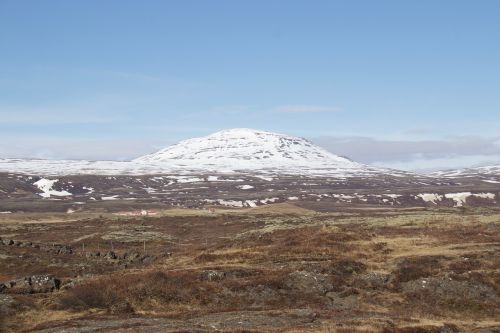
{"points": [[393, 271]]}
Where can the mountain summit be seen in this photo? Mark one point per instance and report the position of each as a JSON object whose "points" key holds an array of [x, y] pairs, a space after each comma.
{"points": [[243, 148]]}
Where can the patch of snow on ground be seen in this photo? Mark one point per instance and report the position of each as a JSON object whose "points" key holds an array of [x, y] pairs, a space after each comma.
{"points": [[245, 187], [490, 181], [430, 197], [186, 179], [113, 197], [45, 185], [269, 200], [269, 179], [7, 212], [459, 198], [230, 203], [251, 203], [343, 196], [485, 195], [293, 198]]}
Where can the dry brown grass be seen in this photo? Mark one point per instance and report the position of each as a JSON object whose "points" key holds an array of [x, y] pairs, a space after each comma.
{"points": [[2, 320], [144, 291], [257, 250]]}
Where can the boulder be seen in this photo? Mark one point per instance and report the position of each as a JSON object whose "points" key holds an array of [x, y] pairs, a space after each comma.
{"points": [[7, 242], [372, 280], [111, 255], [213, 275], [131, 256], [65, 250], [33, 285], [93, 254], [148, 259]]}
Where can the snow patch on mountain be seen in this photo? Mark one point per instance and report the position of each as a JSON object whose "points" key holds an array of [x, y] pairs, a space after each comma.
{"points": [[491, 170]]}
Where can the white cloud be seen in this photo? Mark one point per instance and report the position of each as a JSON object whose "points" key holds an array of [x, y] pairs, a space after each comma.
{"points": [[443, 163], [416, 155]]}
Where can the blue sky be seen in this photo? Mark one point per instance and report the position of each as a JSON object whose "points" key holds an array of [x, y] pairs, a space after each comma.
{"points": [[410, 84]]}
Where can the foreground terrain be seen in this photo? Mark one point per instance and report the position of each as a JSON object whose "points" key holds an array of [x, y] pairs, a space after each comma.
{"points": [[276, 268]]}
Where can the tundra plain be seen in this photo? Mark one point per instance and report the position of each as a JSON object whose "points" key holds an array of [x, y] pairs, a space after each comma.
{"points": [[274, 268]]}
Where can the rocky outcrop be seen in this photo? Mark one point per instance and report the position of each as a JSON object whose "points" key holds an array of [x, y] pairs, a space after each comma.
{"points": [[53, 248], [451, 292], [307, 282], [34, 284]]}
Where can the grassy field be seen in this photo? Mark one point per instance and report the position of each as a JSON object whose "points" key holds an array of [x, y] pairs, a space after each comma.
{"points": [[276, 268]]}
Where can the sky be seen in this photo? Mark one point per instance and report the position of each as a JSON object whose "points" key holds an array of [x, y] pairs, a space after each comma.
{"points": [[406, 84]]}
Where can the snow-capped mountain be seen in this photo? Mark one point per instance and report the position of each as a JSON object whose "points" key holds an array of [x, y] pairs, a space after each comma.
{"points": [[234, 150], [247, 149]]}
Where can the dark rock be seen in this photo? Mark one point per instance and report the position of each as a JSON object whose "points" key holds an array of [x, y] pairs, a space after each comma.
{"points": [[131, 256], [214, 275], [7, 242], [111, 255], [372, 280], [65, 250], [33, 285], [307, 282], [345, 300], [148, 259], [93, 254], [456, 294], [121, 308]]}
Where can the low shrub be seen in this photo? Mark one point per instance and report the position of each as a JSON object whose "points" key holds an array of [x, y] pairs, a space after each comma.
{"points": [[413, 268], [123, 293]]}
